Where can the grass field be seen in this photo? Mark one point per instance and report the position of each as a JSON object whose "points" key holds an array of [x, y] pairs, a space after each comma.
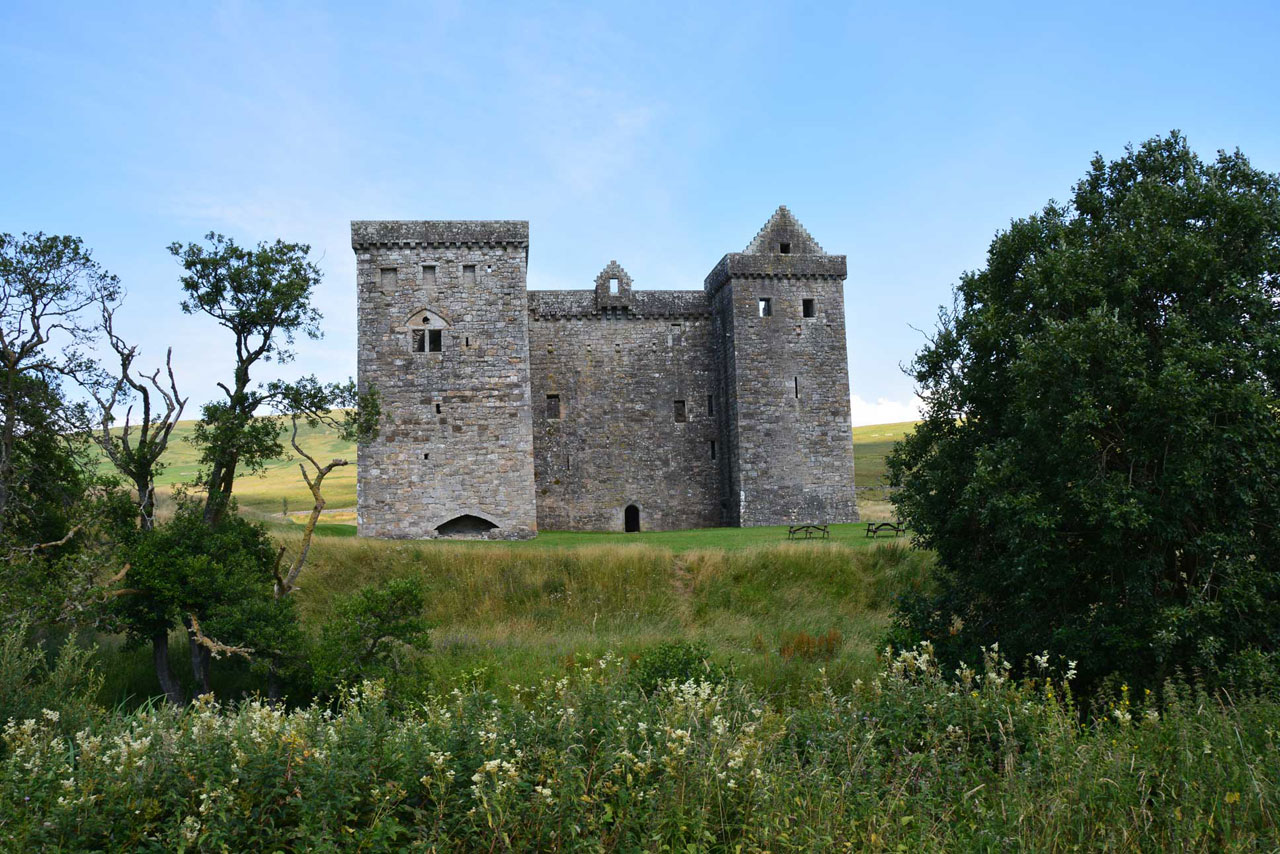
{"points": [[280, 485]]}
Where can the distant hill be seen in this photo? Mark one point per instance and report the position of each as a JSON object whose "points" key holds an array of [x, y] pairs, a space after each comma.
{"points": [[281, 480]]}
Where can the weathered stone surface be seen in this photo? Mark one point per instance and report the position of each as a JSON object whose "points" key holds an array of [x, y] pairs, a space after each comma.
{"points": [[771, 394]]}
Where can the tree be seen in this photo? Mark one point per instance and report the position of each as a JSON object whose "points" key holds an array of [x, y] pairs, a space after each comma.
{"points": [[135, 450], [340, 407], [1098, 466], [263, 296], [48, 285]]}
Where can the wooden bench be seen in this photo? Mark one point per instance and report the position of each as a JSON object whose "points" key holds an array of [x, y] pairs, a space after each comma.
{"points": [[875, 529], [808, 532]]}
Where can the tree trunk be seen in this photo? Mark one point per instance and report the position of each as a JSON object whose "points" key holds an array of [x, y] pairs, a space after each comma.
{"points": [[199, 659], [164, 673]]}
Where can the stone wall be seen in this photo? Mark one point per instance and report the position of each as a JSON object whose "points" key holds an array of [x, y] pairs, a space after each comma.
{"points": [[457, 437], [617, 363]]}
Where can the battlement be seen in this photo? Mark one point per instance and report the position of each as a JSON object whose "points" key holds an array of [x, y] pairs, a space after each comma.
{"points": [[368, 234]]}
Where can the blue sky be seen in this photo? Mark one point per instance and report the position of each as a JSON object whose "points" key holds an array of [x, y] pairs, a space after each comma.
{"points": [[903, 135]]}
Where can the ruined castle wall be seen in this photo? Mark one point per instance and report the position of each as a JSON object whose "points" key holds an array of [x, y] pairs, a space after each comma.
{"points": [[457, 434], [618, 364]]}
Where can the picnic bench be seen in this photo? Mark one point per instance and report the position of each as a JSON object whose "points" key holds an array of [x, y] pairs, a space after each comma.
{"points": [[808, 532], [875, 529]]}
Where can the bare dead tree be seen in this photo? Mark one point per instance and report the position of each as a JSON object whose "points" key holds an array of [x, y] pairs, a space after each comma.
{"points": [[136, 450]]}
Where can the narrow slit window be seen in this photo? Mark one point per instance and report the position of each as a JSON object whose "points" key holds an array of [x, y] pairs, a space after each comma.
{"points": [[466, 342], [435, 340], [797, 388], [784, 248], [469, 274], [419, 340], [711, 404], [437, 409], [712, 444], [680, 413], [766, 307], [808, 308], [553, 406]]}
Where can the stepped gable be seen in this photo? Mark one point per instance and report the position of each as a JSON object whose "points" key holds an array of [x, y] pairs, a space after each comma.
{"points": [[783, 235]]}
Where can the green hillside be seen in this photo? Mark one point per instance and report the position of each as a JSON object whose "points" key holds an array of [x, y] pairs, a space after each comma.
{"points": [[265, 494]]}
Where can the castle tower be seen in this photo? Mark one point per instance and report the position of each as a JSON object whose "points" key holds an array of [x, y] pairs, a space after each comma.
{"points": [[778, 310], [444, 336]]}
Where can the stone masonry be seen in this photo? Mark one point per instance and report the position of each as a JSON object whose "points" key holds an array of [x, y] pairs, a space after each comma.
{"points": [[607, 409]]}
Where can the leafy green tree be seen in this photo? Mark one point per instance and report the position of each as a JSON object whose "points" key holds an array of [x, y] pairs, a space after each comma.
{"points": [[208, 577], [50, 288], [1098, 466], [262, 295], [375, 632]]}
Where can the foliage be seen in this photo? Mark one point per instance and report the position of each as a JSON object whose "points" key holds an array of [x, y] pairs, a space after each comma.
{"points": [[1098, 467], [679, 661], [262, 295], [377, 632], [912, 760], [30, 683], [48, 284]]}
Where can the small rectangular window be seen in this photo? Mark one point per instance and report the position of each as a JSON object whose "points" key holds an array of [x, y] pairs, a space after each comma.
{"points": [[469, 274], [419, 340], [437, 409], [784, 248], [434, 340], [809, 310], [711, 404], [680, 413], [553, 406], [766, 307], [613, 286], [429, 278], [426, 456], [712, 443]]}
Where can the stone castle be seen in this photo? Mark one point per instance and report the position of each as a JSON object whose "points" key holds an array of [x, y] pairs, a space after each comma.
{"points": [[606, 409]]}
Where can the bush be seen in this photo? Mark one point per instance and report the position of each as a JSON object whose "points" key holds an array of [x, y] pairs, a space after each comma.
{"points": [[674, 661], [29, 683], [376, 632]]}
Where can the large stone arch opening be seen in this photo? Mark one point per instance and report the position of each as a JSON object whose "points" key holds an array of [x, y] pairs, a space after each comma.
{"points": [[466, 525]]}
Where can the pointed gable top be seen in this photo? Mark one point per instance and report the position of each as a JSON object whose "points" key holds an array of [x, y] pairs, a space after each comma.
{"points": [[783, 235]]}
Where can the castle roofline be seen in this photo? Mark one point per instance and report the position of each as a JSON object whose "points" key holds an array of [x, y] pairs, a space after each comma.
{"points": [[370, 233], [741, 265]]}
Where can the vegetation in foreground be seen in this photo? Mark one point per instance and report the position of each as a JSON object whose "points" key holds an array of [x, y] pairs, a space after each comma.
{"points": [[913, 759]]}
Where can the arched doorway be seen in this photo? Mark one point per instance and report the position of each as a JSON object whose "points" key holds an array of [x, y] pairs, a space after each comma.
{"points": [[465, 525], [631, 519]]}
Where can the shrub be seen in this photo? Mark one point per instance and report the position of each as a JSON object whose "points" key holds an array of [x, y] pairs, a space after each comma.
{"points": [[376, 632], [673, 661], [29, 683]]}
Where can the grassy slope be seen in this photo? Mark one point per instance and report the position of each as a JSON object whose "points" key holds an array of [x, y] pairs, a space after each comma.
{"points": [[514, 612]]}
